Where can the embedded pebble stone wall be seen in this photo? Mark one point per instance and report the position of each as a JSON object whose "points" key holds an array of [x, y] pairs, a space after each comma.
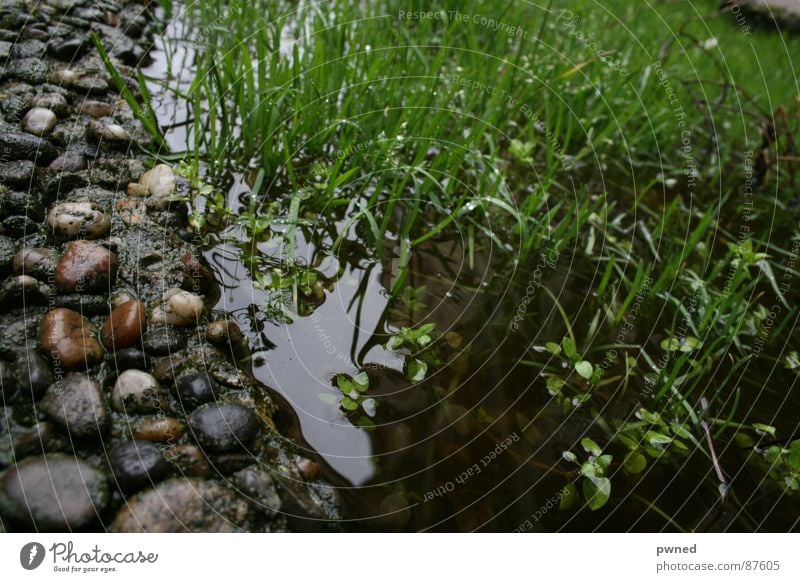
{"points": [[122, 405]]}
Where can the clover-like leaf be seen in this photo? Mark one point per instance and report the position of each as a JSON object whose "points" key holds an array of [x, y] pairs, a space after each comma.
{"points": [[370, 406], [416, 370], [634, 462], [591, 447], [568, 344], [596, 491], [584, 369], [569, 495]]}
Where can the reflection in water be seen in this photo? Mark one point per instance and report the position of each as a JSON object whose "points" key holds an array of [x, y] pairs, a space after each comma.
{"points": [[303, 358]]}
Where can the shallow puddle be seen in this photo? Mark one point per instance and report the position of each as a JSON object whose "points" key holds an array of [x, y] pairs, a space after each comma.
{"points": [[477, 444]]}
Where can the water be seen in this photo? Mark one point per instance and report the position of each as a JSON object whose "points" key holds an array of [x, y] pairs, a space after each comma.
{"points": [[478, 444]]}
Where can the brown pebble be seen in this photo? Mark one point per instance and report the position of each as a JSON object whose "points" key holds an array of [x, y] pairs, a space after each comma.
{"points": [[120, 298], [224, 332], [165, 369], [86, 266], [198, 276], [95, 108], [159, 429], [189, 460], [36, 262], [124, 326], [68, 338], [137, 190], [309, 469]]}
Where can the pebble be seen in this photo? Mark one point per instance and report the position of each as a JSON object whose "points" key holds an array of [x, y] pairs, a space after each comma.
{"points": [[19, 175], [136, 392], [137, 464], [68, 338], [69, 161], [109, 133], [77, 406], [86, 266], [227, 464], [15, 100], [36, 262], [166, 369], [121, 297], [53, 493], [29, 69], [124, 326], [39, 121], [95, 109], [72, 219], [160, 181], [115, 171], [180, 308], [27, 203], [18, 145], [128, 358], [20, 226], [5, 49], [65, 77], [162, 341], [195, 389], [198, 276], [224, 333], [35, 376], [183, 505], [159, 429], [88, 305], [27, 49], [92, 85], [223, 427], [68, 49], [189, 460], [309, 469], [137, 190], [55, 102], [21, 291], [259, 487]]}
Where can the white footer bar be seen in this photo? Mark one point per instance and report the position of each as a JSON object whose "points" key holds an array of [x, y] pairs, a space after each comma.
{"points": [[390, 557]]}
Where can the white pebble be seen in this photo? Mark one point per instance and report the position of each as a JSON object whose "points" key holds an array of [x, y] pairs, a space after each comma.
{"points": [[160, 181], [64, 77], [39, 121], [72, 219], [180, 308], [112, 131], [136, 391]]}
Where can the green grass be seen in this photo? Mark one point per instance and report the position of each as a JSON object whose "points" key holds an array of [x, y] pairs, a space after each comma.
{"points": [[352, 122], [312, 92]]}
